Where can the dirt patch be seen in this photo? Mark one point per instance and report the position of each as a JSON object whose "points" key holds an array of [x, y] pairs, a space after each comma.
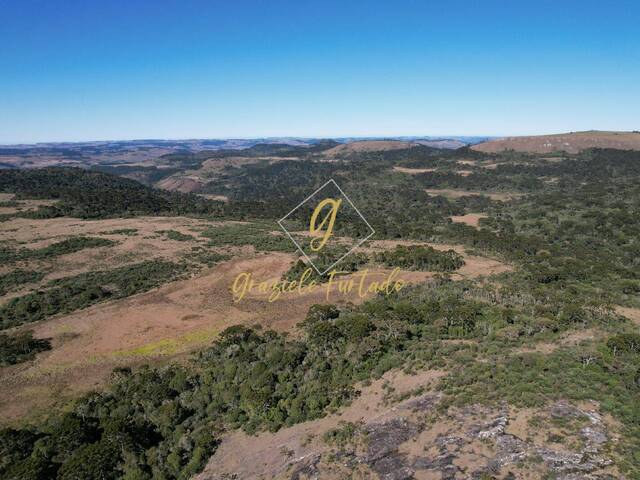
{"points": [[219, 198], [471, 219], [475, 267], [413, 171], [632, 314], [25, 205], [143, 240], [490, 166]]}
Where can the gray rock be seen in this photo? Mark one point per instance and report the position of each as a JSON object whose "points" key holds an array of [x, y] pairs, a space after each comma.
{"points": [[384, 438]]}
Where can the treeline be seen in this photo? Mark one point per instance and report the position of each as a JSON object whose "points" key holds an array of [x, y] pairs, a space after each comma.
{"points": [[90, 194], [415, 257], [420, 257], [73, 293], [145, 175], [70, 245], [351, 263]]}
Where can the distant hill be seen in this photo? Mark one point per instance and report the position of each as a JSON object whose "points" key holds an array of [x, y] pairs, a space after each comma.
{"points": [[573, 142], [368, 146], [446, 143]]}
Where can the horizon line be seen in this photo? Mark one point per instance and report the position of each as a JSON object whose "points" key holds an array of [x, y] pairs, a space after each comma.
{"points": [[300, 137]]}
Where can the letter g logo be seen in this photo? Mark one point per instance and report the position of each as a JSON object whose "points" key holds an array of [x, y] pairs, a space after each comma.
{"points": [[316, 230]]}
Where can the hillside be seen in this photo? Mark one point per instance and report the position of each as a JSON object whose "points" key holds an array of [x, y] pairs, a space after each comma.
{"points": [[89, 194], [573, 142], [367, 146]]}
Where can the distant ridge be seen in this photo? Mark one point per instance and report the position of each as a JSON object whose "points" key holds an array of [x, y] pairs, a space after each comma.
{"points": [[573, 142]]}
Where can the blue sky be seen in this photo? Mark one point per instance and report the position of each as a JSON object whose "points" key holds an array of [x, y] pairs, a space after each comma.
{"points": [[87, 70]]}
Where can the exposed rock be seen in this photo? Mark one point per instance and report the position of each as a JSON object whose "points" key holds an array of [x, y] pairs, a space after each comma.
{"points": [[392, 467], [492, 429], [383, 438], [387, 449], [564, 410], [423, 403], [306, 468]]}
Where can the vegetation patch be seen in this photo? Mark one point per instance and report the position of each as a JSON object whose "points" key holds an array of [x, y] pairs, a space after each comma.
{"points": [[73, 293], [421, 258], [129, 232], [206, 257], [17, 278], [176, 235], [259, 235], [325, 259], [70, 245], [20, 347]]}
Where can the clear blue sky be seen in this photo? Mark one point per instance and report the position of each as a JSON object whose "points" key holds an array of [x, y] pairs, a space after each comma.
{"points": [[89, 70]]}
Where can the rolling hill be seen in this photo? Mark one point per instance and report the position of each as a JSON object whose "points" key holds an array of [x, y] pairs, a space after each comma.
{"points": [[573, 142]]}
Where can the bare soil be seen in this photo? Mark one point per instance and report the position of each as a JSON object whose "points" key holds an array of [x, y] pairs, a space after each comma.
{"points": [[632, 314], [413, 171], [471, 219]]}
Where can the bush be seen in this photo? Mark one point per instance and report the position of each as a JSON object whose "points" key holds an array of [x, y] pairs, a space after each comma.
{"points": [[9, 281], [20, 347], [624, 343]]}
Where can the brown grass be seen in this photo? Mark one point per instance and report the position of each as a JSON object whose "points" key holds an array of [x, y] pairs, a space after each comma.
{"points": [[164, 323], [180, 184]]}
